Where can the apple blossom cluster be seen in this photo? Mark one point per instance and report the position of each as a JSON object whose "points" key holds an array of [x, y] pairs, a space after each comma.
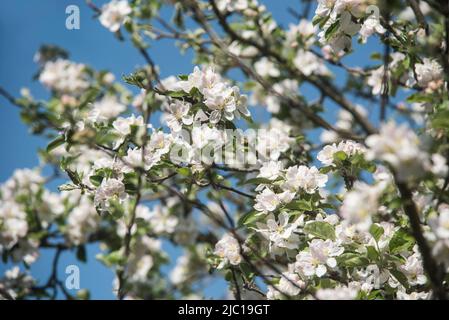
{"points": [[220, 98], [15, 284], [114, 13], [64, 76], [340, 20], [313, 208], [402, 149]]}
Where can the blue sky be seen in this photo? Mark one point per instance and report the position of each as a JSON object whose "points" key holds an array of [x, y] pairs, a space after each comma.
{"points": [[27, 24]]}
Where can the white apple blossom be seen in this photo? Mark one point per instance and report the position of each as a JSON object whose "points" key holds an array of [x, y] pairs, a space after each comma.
{"points": [[413, 270], [234, 5], [162, 221], [290, 283], [350, 148], [399, 146], [177, 115], [371, 26], [429, 73], [228, 249], [267, 201], [360, 204], [302, 177], [266, 68], [110, 189], [440, 223], [64, 76], [82, 221], [105, 109], [308, 63], [113, 14], [123, 126], [305, 30], [270, 170], [338, 293], [13, 224], [281, 233], [318, 258], [274, 140]]}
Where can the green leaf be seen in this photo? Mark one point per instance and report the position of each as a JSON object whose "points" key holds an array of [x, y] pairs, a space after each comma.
{"points": [[248, 218], [441, 120], [96, 180], [258, 181], [320, 229], [332, 29], [400, 277], [55, 143], [340, 155], [177, 94], [302, 205], [184, 171], [113, 258], [376, 231], [373, 255], [401, 241], [352, 260]]}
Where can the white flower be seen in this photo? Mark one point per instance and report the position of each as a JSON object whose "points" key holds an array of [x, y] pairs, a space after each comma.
{"points": [[219, 96], [370, 26], [233, 5], [440, 224], [354, 7], [134, 159], [160, 143], [64, 76], [413, 270], [270, 170], [338, 293], [106, 109], [162, 221], [308, 179], [320, 256], [326, 155], [267, 201], [113, 14], [82, 221], [228, 249], [110, 189], [350, 148], [123, 125], [375, 80], [360, 204], [280, 234], [308, 63], [178, 114], [13, 223], [324, 7], [439, 165], [266, 68], [204, 135], [273, 141], [400, 147], [429, 73], [305, 29], [290, 282]]}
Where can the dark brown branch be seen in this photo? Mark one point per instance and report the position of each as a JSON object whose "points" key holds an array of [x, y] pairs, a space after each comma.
{"points": [[433, 270]]}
